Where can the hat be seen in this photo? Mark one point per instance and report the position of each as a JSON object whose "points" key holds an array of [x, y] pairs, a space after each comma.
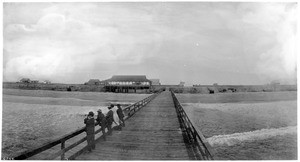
{"points": [[111, 106], [118, 105], [91, 113], [99, 110]]}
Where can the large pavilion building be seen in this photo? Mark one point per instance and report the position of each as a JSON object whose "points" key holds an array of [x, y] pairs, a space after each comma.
{"points": [[128, 84]]}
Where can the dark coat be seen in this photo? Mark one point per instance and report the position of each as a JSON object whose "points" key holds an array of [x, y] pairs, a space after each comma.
{"points": [[101, 119], [110, 117], [120, 113], [90, 126]]}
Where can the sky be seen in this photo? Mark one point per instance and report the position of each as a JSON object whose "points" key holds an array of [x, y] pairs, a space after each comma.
{"points": [[234, 43]]}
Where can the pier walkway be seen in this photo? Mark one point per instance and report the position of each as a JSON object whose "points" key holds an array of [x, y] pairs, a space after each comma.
{"points": [[153, 133]]}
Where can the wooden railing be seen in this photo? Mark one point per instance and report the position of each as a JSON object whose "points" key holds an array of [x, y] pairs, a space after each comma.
{"points": [[132, 109], [201, 148], [128, 111]]}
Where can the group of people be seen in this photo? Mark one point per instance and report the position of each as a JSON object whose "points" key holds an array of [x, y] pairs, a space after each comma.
{"points": [[104, 122]]}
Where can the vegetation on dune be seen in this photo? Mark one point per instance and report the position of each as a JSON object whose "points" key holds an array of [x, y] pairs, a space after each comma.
{"points": [[212, 89], [66, 87], [54, 87], [199, 89], [87, 96], [237, 97]]}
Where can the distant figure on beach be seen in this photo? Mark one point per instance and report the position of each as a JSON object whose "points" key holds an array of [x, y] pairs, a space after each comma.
{"points": [[102, 122], [89, 121], [120, 115], [110, 119]]}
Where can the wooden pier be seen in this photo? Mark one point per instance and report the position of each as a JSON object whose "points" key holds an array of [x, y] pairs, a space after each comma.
{"points": [[152, 134], [157, 128]]}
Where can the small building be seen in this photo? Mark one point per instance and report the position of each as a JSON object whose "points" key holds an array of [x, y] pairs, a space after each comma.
{"points": [[216, 88], [127, 84], [181, 84], [46, 82], [25, 80], [34, 81], [154, 81], [275, 85], [93, 82]]}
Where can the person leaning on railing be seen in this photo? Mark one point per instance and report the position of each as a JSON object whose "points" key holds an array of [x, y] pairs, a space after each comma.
{"points": [[110, 119], [102, 122], [89, 121], [120, 115]]}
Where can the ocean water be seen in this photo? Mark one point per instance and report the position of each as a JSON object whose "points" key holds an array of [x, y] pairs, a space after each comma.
{"points": [[30, 121]]}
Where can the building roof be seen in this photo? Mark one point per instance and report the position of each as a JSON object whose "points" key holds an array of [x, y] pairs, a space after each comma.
{"points": [[94, 80], [25, 79], [128, 78]]}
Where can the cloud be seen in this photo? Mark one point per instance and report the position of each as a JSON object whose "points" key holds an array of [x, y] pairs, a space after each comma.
{"points": [[80, 38], [72, 42], [279, 21], [56, 44]]}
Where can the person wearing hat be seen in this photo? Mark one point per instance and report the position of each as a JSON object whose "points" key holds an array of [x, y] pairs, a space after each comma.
{"points": [[110, 119], [120, 115], [102, 122], [90, 131]]}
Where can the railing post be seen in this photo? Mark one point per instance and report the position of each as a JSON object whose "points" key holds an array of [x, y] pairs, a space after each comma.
{"points": [[207, 154], [62, 157], [194, 136]]}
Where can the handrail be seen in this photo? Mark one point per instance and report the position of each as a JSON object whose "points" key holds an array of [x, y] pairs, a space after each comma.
{"points": [[132, 109], [129, 111], [201, 148]]}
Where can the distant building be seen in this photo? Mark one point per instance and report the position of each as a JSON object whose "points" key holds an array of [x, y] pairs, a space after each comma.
{"points": [[154, 81], [215, 88], [181, 84], [93, 82], [128, 84], [34, 81], [275, 84], [46, 82], [25, 80]]}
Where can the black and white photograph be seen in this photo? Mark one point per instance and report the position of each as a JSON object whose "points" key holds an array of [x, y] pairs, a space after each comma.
{"points": [[150, 80]]}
